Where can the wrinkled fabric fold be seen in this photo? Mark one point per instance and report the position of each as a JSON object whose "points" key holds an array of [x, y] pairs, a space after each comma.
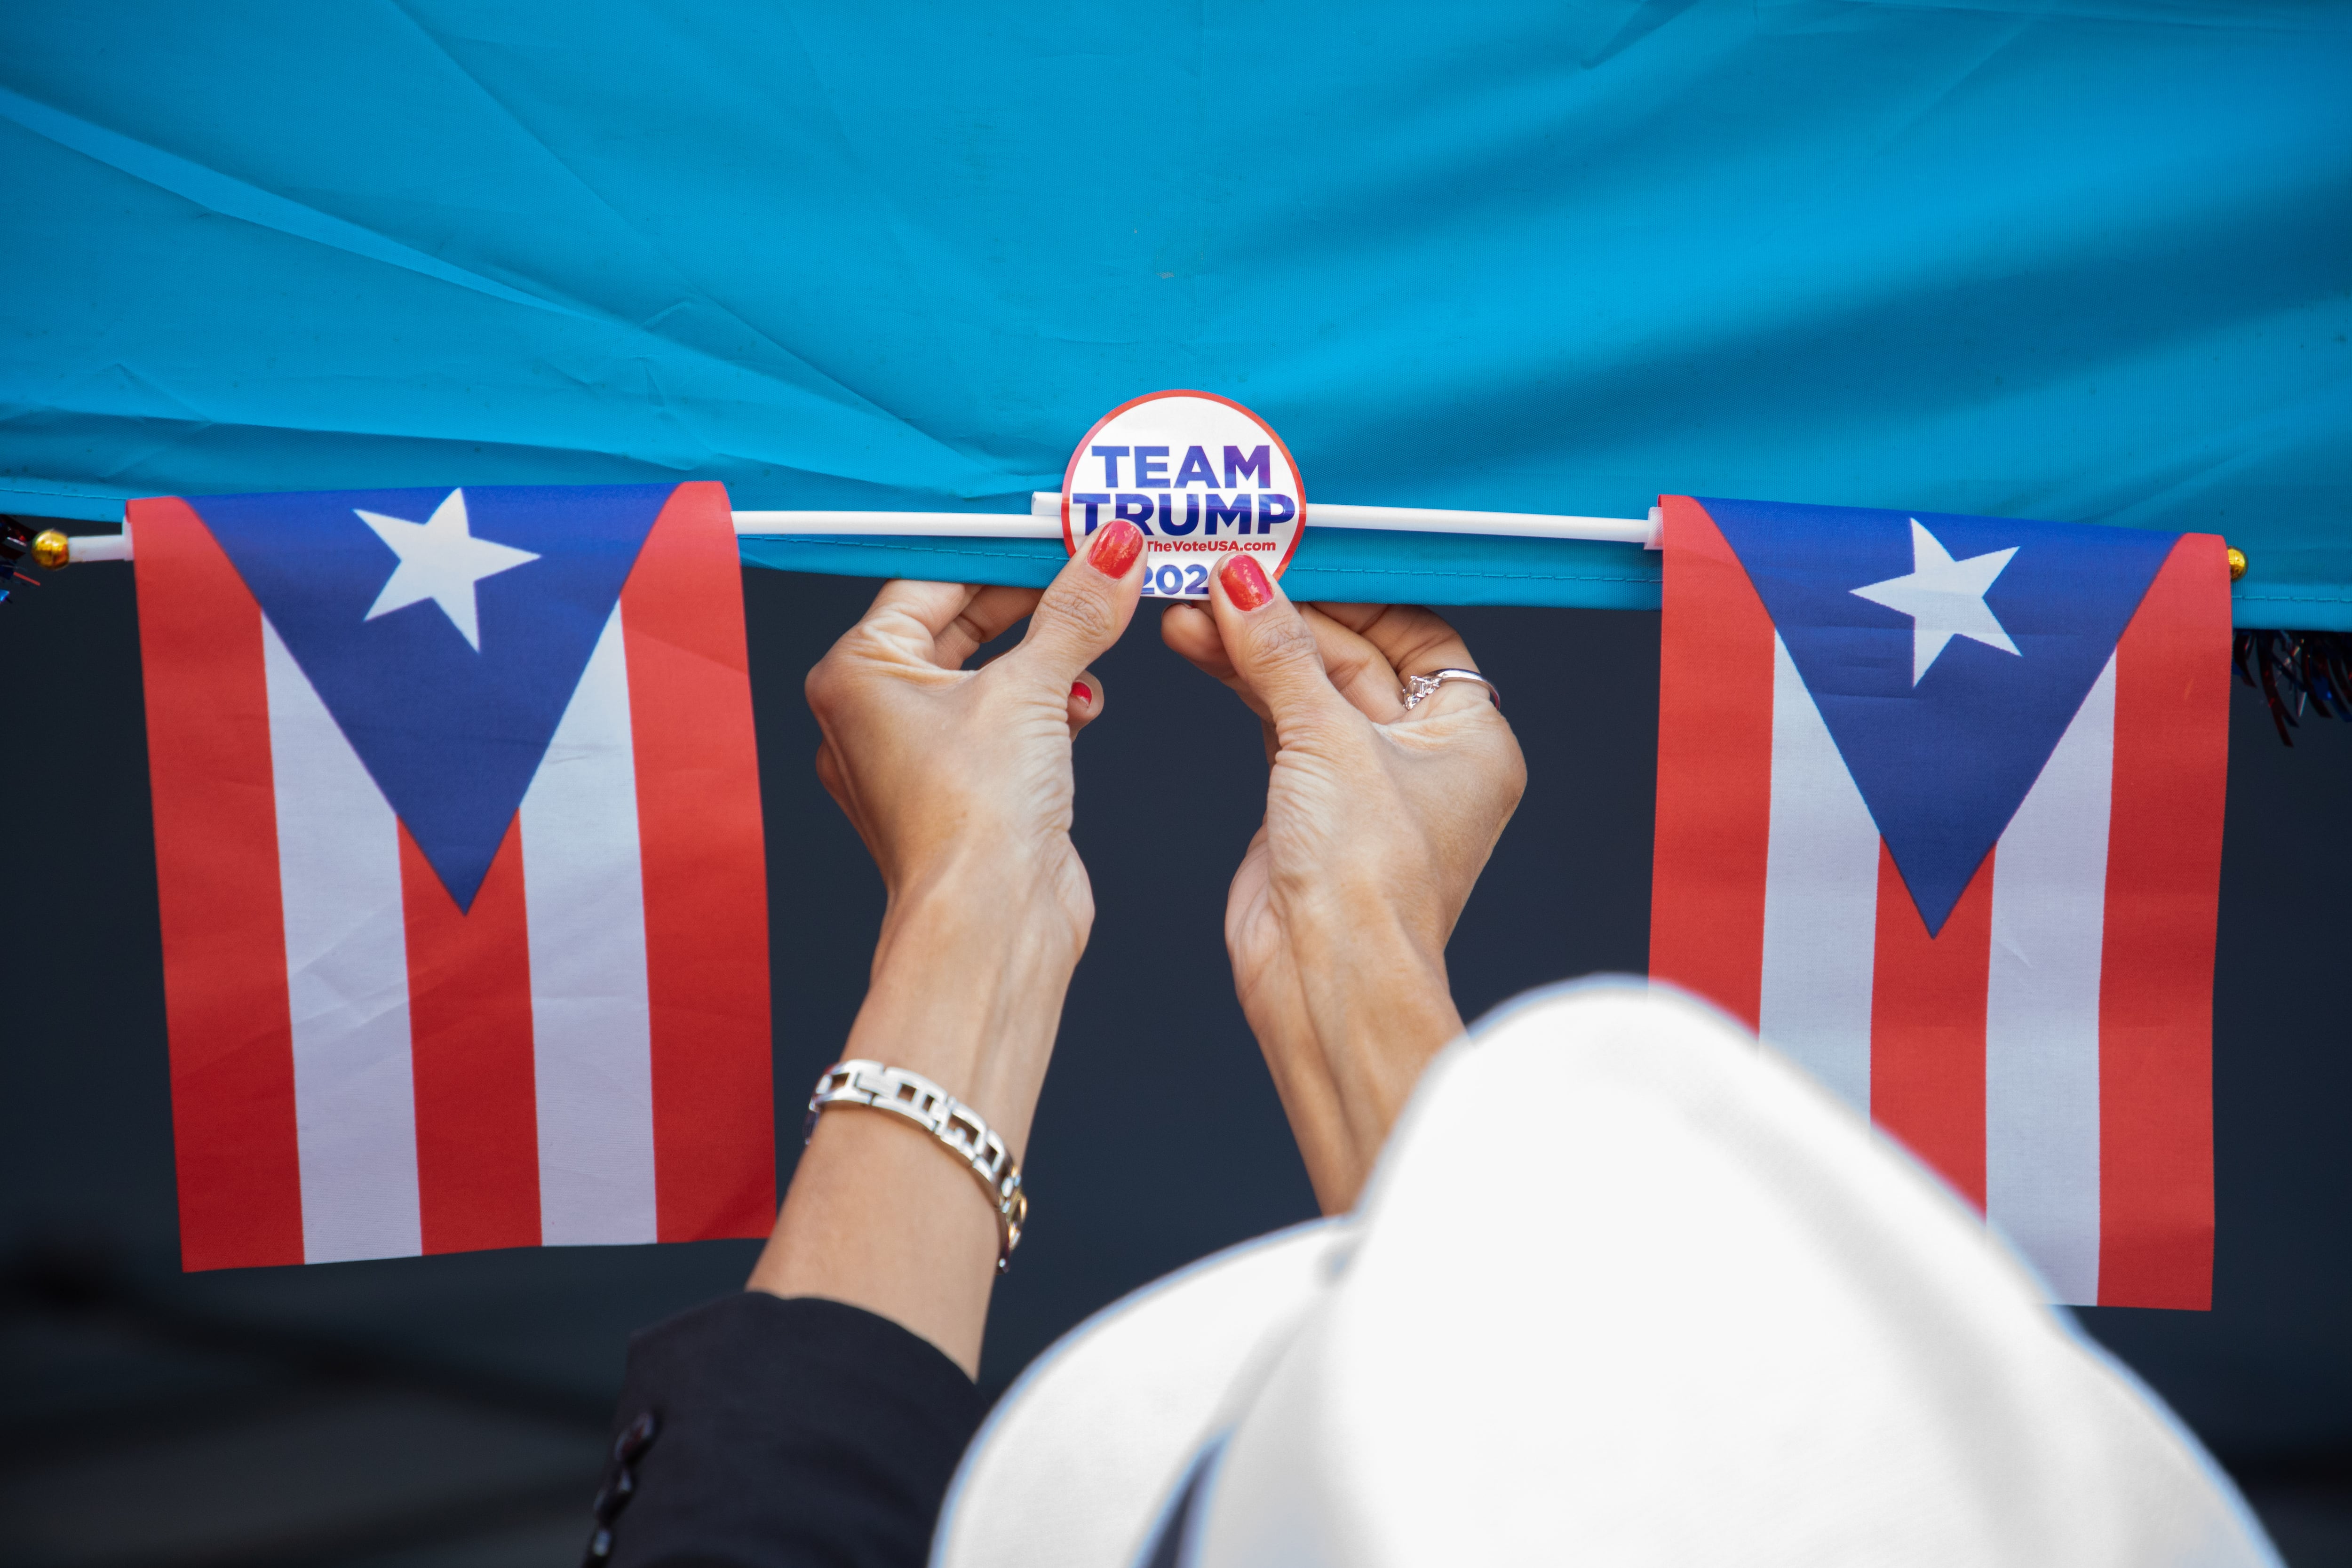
{"points": [[2075, 262]]}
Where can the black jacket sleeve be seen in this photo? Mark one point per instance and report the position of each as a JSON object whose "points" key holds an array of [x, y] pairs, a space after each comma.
{"points": [[760, 1432]]}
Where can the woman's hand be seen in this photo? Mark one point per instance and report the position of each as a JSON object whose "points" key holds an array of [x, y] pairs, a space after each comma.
{"points": [[959, 781], [1377, 824]]}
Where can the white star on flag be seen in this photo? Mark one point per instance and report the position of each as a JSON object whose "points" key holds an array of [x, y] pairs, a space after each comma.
{"points": [[440, 560], [1944, 598]]}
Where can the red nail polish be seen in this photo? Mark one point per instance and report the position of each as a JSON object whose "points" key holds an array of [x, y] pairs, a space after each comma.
{"points": [[1079, 689], [1116, 548], [1245, 585]]}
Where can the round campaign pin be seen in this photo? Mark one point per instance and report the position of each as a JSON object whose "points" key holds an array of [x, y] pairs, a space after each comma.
{"points": [[1202, 476]]}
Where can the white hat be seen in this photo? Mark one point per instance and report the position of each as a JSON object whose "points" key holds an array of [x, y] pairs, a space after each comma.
{"points": [[1624, 1291]]}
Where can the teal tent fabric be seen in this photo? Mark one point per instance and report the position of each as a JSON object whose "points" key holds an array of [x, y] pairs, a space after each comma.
{"points": [[2080, 259]]}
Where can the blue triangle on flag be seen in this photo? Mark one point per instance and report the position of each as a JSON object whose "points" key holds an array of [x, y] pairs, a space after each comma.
{"points": [[1944, 734], [449, 717]]}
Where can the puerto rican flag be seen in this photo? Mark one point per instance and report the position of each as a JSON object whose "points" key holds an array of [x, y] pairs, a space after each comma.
{"points": [[1939, 816], [458, 843]]}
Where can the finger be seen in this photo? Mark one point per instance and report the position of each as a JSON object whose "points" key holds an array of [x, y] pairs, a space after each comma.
{"points": [[908, 619], [939, 623], [1085, 700], [1089, 603], [1273, 649], [993, 612], [1191, 630], [1415, 641], [1356, 670]]}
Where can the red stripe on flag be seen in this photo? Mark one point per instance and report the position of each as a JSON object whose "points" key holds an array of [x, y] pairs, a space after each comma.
{"points": [[705, 872], [224, 994], [2156, 979], [1715, 770], [1928, 1026], [470, 1050]]}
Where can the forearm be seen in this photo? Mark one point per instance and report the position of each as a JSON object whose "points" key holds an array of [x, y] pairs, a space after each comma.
{"points": [[969, 975], [1368, 1007], [968, 985]]}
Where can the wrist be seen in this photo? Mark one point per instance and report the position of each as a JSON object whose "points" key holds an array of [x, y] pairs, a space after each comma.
{"points": [[968, 985], [1372, 955], [1365, 1006], [1038, 901], [1376, 1011]]}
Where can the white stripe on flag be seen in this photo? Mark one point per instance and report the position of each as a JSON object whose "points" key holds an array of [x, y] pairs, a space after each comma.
{"points": [[1820, 897], [2042, 1007], [591, 1024], [346, 978]]}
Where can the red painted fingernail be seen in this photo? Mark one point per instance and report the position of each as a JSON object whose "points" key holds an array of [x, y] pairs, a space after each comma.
{"points": [[1079, 689], [1245, 585], [1116, 548]]}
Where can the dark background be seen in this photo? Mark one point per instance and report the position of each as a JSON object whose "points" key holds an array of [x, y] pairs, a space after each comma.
{"points": [[451, 1410]]}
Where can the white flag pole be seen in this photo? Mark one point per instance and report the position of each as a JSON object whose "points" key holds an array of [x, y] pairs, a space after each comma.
{"points": [[1043, 521]]}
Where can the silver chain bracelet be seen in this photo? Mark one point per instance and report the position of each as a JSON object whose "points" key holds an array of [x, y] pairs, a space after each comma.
{"points": [[916, 1099]]}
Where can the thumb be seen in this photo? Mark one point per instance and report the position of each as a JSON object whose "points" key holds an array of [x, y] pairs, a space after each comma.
{"points": [[1083, 613], [1273, 649]]}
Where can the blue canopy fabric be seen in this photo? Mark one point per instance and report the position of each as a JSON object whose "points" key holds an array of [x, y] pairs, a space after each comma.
{"points": [[2082, 261]]}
